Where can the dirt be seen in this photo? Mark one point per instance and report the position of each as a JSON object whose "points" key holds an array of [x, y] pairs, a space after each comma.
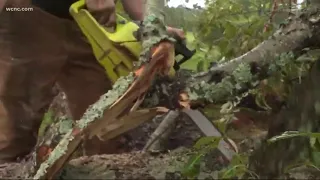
{"points": [[130, 163]]}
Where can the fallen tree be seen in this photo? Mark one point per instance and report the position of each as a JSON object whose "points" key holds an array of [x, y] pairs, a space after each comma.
{"points": [[225, 81]]}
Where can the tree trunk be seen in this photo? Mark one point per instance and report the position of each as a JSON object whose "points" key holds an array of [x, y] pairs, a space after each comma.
{"points": [[301, 114]]}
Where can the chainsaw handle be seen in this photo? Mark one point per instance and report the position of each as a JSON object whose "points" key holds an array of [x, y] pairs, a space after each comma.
{"points": [[182, 49], [79, 6], [76, 7]]}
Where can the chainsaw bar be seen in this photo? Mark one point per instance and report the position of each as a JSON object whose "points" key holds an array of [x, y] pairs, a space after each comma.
{"points": [[226, 148]]}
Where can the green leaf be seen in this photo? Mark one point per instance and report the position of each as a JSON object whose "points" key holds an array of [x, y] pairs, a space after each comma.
{"points": [[236, 168], [192, 168], [209, 141], [292, 134], [46, 121], [315, 144], [316, 158], [221, 125], [239, 159], [200, 66], [230, 30]]}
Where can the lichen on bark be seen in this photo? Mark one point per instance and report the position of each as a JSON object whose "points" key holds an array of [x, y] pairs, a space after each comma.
{"points": [[242, 78], [96, 110], [152, 32], [93, 113], [59, 151]]}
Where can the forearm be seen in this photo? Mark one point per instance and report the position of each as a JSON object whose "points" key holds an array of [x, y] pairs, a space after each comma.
{"points": [[135, 8]]}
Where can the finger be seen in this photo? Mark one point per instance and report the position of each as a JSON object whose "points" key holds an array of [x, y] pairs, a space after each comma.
{"points": [[102, 10], [176, 32], [112, 20], [100, 5], [103, 18]]}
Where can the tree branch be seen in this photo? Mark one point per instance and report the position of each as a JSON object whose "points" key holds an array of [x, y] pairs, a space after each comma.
{"points": [[290, 37], [235, 76]]}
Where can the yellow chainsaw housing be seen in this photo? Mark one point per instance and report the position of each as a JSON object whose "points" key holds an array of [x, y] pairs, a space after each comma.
{"points": [[116, 51]]}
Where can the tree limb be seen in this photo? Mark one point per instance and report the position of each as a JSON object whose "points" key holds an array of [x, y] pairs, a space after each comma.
{"points": [[292, 36], [242, 73]]}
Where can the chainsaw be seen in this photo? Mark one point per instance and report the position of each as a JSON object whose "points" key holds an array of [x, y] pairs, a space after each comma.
{"points": [[117, 51]]}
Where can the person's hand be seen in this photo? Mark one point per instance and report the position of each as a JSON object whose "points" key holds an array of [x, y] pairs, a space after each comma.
{"points": [[103, 11], [176, 32]]}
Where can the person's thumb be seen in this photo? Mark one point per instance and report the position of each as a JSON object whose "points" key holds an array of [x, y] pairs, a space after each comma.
{"points": [[102, 10], [100, 5], [112, 20]]}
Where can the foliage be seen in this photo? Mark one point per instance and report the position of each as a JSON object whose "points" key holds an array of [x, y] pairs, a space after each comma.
{"points": [[237, 168], [202, 147], [234, 27], [225, 29], [314, 142], [284, 69], [46, 121], [284, 66], [181, 17]]}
